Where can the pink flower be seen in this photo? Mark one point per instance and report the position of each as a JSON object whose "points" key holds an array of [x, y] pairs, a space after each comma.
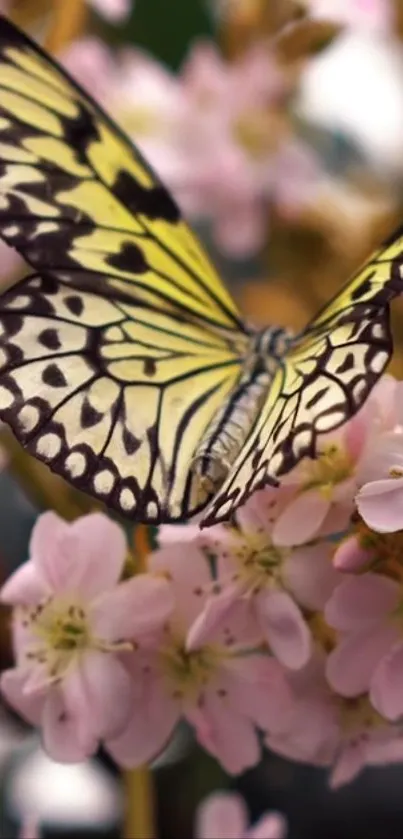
{"points": [[112, 10], [367, 611], [323, 729], [223, 689], [252, 572], [223, 816], [322, 490], [73, 621]]}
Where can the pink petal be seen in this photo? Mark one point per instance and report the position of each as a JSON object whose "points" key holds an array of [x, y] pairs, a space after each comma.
{"points": [[85, 556], [137, 606], [63, 739], [176, 534], [257, 688], [309, 575], [301, 519], [218, 609], [387, 684], [188, 571], [12, 686], [350, 556], [240, 230], [112, 10], [350, 667], [221, 816], [270, 826], [152, 720], [25, 587], [348, 765], [109, 692], [361, 601], [381, 505], [215, 726], [284, 628]]}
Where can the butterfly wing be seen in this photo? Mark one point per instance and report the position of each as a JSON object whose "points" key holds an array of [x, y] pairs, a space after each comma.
{"points": [[120, 348], [323, 380]]}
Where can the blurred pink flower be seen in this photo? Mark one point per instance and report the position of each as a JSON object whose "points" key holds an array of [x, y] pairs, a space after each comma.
{"points": [[367, 611], [113, 10], [223, 815], [72, 622], [322, 728], [252, 571], [215, 133], [223, 689], [375, 15]]}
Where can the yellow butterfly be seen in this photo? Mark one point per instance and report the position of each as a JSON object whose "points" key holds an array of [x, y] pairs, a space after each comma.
{"points": [[124, 363]]}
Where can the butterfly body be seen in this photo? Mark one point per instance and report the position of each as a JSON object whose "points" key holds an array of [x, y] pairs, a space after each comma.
{"points": [[124, 362]]}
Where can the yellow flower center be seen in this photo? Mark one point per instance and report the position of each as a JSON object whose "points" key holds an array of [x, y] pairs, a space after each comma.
{"points": [[63, 632], [259, 561], [332, 466], [357, 713], [259, 132], [189, 672]]}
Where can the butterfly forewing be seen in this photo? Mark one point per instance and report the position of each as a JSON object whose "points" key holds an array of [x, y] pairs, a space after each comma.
{"points": [[118, 353]]}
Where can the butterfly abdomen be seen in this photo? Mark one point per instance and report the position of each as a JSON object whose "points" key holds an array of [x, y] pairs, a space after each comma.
{"points": [[229, 429]]}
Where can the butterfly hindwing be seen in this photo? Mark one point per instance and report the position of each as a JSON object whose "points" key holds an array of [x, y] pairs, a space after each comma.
{"points": [[111, 403], [322, 381]]}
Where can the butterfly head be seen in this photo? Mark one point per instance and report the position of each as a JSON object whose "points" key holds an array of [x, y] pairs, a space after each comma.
{"points": [[270, 346]]}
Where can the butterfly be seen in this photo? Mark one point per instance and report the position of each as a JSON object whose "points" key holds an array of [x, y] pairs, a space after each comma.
{"points": [[124, 362]]}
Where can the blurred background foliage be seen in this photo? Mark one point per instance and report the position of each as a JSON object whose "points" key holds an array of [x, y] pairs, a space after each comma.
{"points": [[307, 252]]}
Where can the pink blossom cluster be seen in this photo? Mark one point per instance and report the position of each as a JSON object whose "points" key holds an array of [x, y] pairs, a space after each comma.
{"points": [[217, 133], [284, 626]]}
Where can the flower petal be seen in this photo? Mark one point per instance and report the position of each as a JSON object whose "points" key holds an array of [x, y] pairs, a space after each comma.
{"points": [[387, 684], [381, 505], [270, 826], [137, 606], [25, 587], [258, 689], [86, 555], [188, 571], [283, 626], [351, 665], [215, 724], [221, 816], [309, 575], [350, 556], [218, 609], [361, 601], [152, 720], [109, 691], [112, 10], [63, 739], [301, 519], [348, 765]]}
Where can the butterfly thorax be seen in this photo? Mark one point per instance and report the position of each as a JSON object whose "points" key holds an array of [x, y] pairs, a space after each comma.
{"points": [[229, 429]]}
